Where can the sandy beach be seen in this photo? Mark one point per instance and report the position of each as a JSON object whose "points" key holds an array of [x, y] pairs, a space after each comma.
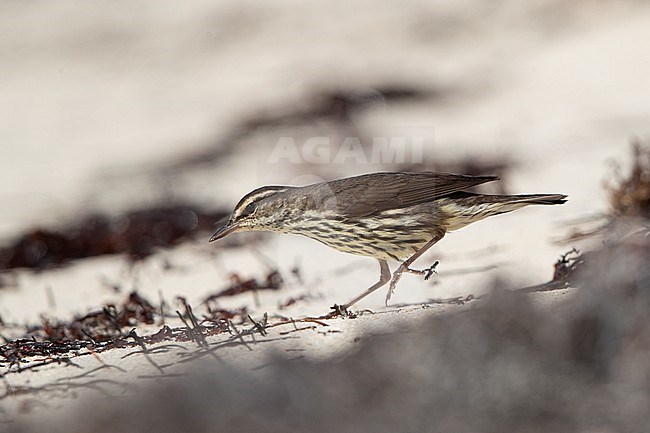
{"points": [[110, 108]]}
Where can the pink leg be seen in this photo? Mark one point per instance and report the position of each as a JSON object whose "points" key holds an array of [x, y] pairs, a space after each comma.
{"points": [[383, 279], [404, 267]]}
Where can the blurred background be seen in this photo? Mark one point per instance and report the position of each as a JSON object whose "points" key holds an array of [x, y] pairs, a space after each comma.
{"points": [[113, 106]]}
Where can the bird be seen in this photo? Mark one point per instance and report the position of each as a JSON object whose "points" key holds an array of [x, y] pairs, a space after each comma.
{"points": [[389, 216]]}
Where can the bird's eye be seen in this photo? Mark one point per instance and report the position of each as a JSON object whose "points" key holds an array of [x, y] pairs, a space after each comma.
{"points": [[249, 210]]}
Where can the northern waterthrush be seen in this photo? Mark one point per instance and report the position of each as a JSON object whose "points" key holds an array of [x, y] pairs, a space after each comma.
{"points": [[387, 216]]}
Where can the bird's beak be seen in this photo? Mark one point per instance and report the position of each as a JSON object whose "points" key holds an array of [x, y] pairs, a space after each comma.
{"points": [[224, 231]]}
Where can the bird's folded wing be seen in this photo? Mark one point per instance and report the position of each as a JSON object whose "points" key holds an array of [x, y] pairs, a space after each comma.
{"points": [[369, 194]]}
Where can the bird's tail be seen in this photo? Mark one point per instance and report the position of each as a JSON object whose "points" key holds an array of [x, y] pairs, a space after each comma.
{"points": [[465, 208], [532, 198]]}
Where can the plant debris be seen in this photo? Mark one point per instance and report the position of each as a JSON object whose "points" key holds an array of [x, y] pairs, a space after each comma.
{"points": [[566, 273], [291, 301], [113, 326], [629, 195], [110, 328], [629, 200], [102, 325], [565, 268], [273, 281], [137, 233]]}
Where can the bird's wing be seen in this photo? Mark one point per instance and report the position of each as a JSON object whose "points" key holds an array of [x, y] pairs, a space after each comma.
{"points": [[364, 195]]}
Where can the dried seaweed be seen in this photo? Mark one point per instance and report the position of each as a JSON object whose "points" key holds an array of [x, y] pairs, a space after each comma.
{"points": [[629, 199], [629, 194], [238, 285], [104, 324], [112, 327], [137, 234]]}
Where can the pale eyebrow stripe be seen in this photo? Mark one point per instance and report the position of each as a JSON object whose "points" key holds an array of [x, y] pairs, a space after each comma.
{"points": [[252, 199]]}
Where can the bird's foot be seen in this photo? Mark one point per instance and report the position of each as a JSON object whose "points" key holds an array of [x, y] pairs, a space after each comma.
{"points": [[431, 270], [338, 311], [393, 283], [428, 272], [398, 274]]}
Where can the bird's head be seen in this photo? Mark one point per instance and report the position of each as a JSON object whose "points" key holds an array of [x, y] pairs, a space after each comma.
{"points": [[262, 209]]}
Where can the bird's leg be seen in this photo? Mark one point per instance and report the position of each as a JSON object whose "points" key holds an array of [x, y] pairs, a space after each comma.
{"points": [[383, 279], [404, 267]]}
